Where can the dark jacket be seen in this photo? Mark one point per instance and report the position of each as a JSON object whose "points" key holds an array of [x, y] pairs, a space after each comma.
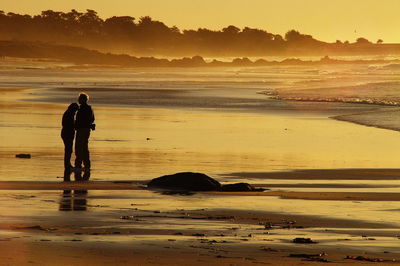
{"points": [[84, 117], [68, 125]]}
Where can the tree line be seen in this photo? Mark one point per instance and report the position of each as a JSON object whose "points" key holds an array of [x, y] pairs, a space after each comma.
{"points": [[145, 36]]}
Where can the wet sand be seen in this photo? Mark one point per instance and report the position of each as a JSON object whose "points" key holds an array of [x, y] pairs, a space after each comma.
{"points": [[126, 229], [122, 223], [124, 185], [112, 219], [150, 253]]}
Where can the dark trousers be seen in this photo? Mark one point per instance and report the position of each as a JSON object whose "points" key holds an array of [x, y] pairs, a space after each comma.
{"points": [[82, 150], [68, 139]]}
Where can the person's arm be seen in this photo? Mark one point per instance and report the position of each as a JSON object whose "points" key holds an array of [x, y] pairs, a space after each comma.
{"points": [[92, 116], [92, 124], [63, 122]]}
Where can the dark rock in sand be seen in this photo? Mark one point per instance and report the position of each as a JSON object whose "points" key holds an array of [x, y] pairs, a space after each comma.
{"points": [[197, 234], [188, 181], [23, 155], [301, 240], [239, 187]]}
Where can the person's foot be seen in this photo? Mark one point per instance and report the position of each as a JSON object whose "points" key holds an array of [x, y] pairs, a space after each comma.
{"points": [[86, 174], [78, 174], [67, 174]]}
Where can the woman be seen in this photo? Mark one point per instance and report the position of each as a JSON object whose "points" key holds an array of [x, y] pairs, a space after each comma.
{"points": [[68, 135]]}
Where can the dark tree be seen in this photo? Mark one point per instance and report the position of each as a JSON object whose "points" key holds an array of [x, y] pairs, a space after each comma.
{"points": [[151, 37], [362, 41]]}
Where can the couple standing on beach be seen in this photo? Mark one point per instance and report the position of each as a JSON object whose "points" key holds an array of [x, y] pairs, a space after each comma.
{"points": [[82, 123]]}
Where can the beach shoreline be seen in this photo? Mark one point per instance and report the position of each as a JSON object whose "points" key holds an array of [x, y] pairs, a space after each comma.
{"points": [[347, 207]]}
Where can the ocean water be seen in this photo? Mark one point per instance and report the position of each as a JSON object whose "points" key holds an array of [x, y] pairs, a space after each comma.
{"points": [[377, 85], [156, 121]]}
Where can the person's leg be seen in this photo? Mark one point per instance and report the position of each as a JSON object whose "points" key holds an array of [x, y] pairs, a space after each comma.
{"points": [[85, 153], [68, 142], [79, 143], [78, 149]]}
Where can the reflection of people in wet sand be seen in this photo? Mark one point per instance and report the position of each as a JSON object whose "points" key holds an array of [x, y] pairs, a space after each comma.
{"points": [[68, 135], [76, 201], [83, 125]]}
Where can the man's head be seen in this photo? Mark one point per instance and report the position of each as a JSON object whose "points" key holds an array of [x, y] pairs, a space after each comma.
{"points": [[83, 98]]}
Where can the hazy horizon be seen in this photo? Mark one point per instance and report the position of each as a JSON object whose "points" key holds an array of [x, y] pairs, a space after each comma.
{"points": [[326, 21]]}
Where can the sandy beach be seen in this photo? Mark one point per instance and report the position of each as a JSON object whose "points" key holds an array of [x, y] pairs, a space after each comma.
{"points": [[125, 227], [331, 181]]}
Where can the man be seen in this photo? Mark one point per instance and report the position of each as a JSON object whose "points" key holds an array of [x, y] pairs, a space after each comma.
{"points": [[68, 135], [83, 124]]}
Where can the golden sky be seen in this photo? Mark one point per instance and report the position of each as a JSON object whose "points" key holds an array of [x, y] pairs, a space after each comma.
{"points": [[327, 20]]}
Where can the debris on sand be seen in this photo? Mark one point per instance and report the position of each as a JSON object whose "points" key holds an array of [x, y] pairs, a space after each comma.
{"points": [[198, 234], [318, 259], [310, 257], [307, 256], [301, 240], [33, 227], [268, 249], [285, 224], [364, 258], [128, 217], [23, 155]]}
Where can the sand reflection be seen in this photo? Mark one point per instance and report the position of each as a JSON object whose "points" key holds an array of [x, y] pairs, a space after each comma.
{"points": [[73, 200]]}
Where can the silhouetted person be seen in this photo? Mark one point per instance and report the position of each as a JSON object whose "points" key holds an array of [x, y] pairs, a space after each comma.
{"points": [[83, 125], [68, 135]]}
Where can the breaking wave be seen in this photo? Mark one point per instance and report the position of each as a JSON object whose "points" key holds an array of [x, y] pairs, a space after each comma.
{"points": [[338, 99]]}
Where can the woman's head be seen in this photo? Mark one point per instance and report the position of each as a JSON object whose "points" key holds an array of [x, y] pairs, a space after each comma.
{"points": [[73, 107]]}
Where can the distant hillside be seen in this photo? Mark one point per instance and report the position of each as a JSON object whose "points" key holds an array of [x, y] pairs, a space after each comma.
{"points": [[83, 56], [147, 37]]}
